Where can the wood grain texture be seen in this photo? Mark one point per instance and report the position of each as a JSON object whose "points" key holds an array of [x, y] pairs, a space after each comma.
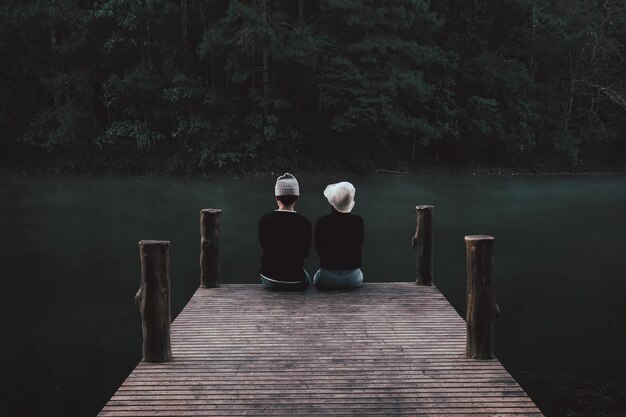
{"points": [[153, 300], [209, 248], [382, 350], [482, 308], [423, 244]]}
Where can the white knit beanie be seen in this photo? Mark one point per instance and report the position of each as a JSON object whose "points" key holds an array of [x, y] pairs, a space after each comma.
{"points": [[341, 196], [286, 184]]}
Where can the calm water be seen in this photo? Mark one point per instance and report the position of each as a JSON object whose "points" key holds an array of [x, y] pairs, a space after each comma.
{"points": [[70, 268]]}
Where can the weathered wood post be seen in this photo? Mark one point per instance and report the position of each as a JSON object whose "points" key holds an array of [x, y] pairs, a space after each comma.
{"points": [[423, 244], [482, 309], [153, 300], [209, 249]]}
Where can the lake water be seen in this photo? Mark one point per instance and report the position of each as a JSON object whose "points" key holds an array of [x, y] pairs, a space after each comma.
{"points": [[70, 268]]}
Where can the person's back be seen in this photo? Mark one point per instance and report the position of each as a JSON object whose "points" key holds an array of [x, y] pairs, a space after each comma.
{"points": [[338, 240], [285, 237]]}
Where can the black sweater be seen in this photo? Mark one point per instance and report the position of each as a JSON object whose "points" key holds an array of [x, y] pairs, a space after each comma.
{"points": [[286, 240], [338, 240]]}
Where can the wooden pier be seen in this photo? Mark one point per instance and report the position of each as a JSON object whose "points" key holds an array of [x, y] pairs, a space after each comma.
{"points": [[392, 349]]}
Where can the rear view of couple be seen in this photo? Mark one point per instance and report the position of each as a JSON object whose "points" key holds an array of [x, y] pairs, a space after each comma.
{"points": [[286, 235]]}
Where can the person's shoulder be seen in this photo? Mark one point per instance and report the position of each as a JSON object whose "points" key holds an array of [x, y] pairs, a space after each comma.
{"points": [[323, 218], [356, 218], [302, 218], [267, 216]]}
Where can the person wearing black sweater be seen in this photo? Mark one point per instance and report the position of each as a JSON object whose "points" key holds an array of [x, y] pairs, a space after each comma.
{"points": [[285, 238], [338, 240]]}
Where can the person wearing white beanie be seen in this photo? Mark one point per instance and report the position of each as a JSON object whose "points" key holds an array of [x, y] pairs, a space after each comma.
{"points": [[285, 238], [338, 240]]}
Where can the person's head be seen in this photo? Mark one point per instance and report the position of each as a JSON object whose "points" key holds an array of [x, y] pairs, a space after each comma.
{"points": [[286, 190], [287, 200], [340, 196]]}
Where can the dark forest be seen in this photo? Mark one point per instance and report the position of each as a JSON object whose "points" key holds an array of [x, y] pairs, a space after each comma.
{"points": [[188, 87]]}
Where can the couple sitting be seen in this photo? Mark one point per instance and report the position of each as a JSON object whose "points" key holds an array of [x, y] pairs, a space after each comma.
{"points": [[285, 237]]}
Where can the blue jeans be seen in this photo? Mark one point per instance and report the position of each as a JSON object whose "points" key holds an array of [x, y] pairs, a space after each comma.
{"points": [[272, 284], [331, 279]]}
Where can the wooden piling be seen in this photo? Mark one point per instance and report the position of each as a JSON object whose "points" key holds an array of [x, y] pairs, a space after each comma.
{"points": [[153, 300], [423, 244], [482, 308], [209, 249]]}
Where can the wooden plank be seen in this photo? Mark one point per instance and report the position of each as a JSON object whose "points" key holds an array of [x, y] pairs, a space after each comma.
{"points": [[385, 349]]}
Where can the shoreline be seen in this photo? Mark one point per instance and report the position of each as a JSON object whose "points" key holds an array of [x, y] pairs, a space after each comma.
{"points": [[426, 171]]}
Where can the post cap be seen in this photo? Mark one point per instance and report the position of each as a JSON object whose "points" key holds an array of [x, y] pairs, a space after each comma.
{"points": [[154, 242], [479, 237], [211, 210]]}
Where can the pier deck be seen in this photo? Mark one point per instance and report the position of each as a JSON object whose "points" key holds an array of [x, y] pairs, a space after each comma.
{"points": [[385, 349]]}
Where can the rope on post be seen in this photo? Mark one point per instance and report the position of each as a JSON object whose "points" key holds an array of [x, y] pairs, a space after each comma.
{"points": [[482, 308], [422, 242], [209, 248], [153, 300]]}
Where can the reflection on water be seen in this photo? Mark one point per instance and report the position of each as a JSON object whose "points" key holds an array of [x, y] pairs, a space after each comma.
{"points": [[70, 269]]}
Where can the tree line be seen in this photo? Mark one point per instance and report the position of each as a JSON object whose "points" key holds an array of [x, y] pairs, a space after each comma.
{"points": [[197, 86]]}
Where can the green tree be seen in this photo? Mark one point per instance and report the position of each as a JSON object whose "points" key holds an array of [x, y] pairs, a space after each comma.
{"points": [[195, 85], [376, 78]]}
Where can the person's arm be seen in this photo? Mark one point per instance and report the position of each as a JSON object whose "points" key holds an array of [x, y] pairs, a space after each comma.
{"points": [[318, 237], [361, 232], [262, 233], [306, 248]]}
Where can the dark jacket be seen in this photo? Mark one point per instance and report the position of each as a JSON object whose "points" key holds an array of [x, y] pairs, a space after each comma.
{"points": [[338, 240], [286, 240]]}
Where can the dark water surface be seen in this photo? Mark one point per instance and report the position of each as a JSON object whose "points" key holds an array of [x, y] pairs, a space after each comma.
{"points": [[70, 268]]}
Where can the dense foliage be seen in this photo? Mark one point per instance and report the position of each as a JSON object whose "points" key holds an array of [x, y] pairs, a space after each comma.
{"points": [[190, 86]]}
